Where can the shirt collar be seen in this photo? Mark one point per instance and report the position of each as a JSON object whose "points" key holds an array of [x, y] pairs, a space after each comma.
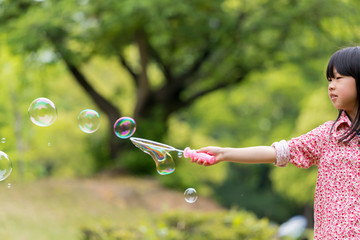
{"points": [[341, 125]]}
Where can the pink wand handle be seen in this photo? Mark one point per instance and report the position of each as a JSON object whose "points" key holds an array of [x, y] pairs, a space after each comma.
{"points": [[206, 158]]}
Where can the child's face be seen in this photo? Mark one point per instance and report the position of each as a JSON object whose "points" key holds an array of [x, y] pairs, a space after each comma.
{"points": [[343, 94]]}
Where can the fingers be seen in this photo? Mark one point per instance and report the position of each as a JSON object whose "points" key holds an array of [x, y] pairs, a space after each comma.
{"points": [[202, 162], [208, 150], [212, 151]]}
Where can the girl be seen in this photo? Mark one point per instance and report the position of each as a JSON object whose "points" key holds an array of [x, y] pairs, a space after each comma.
{"points": [[334, 147]]}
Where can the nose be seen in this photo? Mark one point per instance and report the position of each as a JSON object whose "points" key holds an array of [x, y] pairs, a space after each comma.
{"points": [[331, 85]]}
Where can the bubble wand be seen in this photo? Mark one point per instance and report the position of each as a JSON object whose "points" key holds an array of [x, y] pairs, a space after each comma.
{"points": [[160, 153]]}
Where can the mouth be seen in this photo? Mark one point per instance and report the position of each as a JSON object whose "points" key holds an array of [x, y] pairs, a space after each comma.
{"points": [[333, 96]]}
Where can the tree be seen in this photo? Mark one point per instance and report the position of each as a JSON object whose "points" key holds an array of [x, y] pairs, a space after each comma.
{"points": [[198, 46]]}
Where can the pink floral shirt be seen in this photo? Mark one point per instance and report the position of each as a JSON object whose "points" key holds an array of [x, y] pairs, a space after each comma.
{"points": [[337, 194]]}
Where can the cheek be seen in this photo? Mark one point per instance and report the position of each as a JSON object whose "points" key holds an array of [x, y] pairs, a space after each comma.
{"points": [[354, 92], [352, 96], [351, 90]]}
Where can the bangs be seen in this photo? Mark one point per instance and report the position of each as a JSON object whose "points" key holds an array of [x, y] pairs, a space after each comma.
{"points": [[346, 61]]}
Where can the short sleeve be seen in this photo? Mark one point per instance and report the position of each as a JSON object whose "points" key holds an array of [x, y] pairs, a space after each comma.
{"points": [[306, 150]]}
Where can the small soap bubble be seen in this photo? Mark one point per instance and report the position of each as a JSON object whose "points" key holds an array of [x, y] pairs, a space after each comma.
{"points": [[42, 112], [3, 140], [9, 185], [49, 144], [89, 120], [5, 166], [180, 154], [124, 127], [190, 195]]}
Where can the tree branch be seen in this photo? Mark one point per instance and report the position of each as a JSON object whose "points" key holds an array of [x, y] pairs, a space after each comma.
{"points": [[196, 66], [166, 68], [143, 87], [179, 83], [126, 65], [218, 86], [99, 100], [110, 110], [107, 107]]}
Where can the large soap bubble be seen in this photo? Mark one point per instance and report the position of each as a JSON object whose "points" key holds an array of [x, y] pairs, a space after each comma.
{"points": [[124, 127], [159, 152], [89, 121], [42, 112]]}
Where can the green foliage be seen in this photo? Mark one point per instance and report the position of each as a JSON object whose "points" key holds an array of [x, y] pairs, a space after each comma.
{"points": [[246, 117], [136, 162], [187, 225], [250, 187], [61, 149]]}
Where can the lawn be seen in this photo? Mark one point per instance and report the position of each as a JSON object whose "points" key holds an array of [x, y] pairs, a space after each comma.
{"points": [[57, 209]]}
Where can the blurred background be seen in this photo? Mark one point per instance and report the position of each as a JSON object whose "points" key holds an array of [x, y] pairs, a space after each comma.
{"points": [[232, 73]]}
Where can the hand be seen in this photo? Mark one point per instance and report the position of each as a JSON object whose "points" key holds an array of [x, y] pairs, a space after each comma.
{"points": [[213, 151]]}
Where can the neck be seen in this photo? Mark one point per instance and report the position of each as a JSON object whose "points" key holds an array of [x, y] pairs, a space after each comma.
{"points": [[351, 115]]}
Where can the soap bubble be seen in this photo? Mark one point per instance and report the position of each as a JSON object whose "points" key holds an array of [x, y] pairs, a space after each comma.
{"points": [[163, 160], [89, 121], [5, 166], [3, 140], [159, 153], [124, 127], [190, 195], [165, 166], [42, 112]]}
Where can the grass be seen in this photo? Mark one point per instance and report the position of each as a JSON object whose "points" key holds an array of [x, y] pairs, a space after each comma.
{"points": [[58, 209]]}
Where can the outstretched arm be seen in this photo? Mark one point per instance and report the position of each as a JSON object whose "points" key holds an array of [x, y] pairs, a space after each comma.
{"points": [[259, 154]]}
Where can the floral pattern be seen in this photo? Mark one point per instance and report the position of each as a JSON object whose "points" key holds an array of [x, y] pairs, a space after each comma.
{"points": [[337, 194]]}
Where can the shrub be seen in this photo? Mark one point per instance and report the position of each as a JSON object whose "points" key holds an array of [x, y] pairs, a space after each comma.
{"points": [[190, 225]]}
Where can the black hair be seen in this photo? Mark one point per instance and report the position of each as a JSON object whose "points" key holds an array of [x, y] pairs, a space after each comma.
{"points": [[347, 63]]}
